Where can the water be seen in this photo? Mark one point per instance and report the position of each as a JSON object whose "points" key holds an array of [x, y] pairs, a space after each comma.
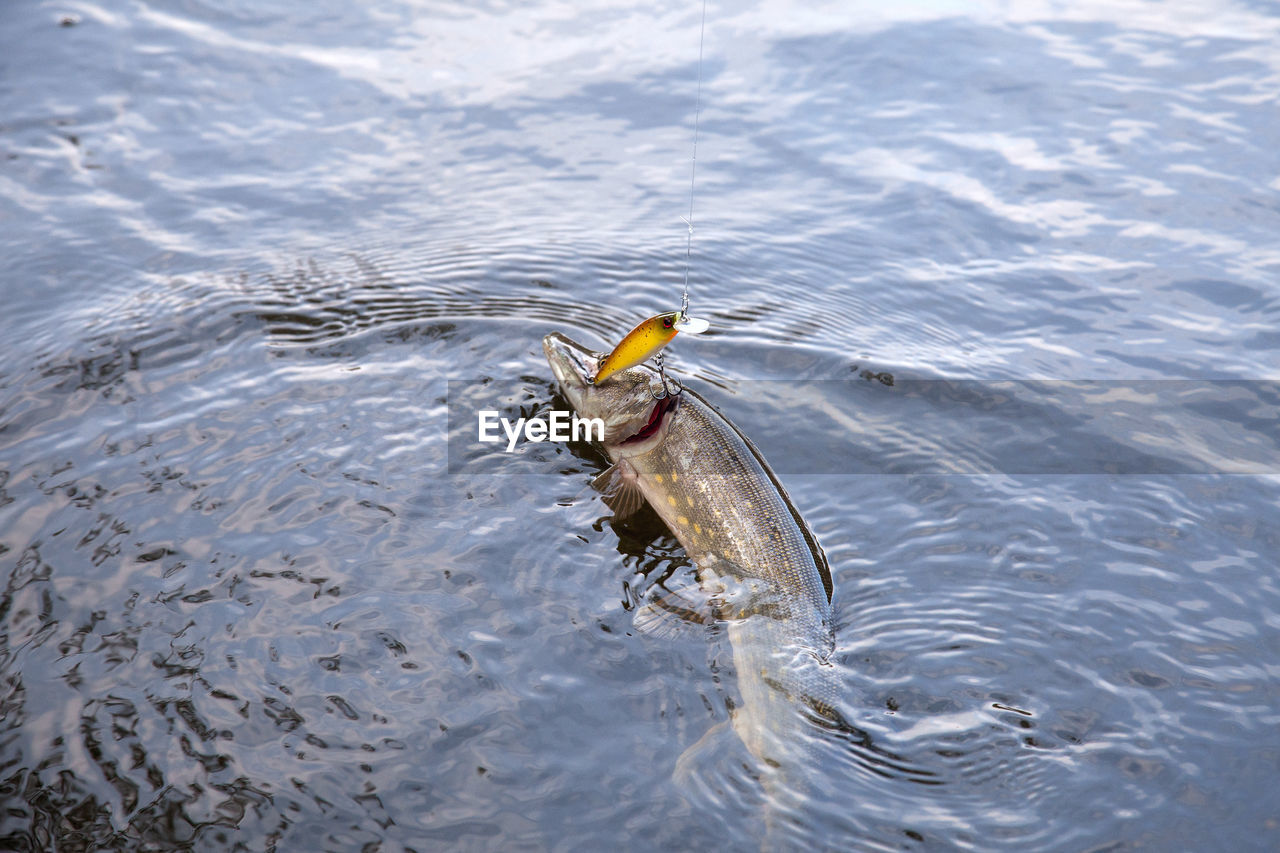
{"points": [[249, 603]]}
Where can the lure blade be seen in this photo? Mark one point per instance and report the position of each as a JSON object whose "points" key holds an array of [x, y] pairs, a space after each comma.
{"points": [[692, 325], [639, 344]]}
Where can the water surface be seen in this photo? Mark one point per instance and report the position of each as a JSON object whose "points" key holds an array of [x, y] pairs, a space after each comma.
{"points": [[249, 603]]}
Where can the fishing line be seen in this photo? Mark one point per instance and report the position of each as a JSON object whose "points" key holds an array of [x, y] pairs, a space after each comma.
{"points": [[693, 167], [649, 337]]}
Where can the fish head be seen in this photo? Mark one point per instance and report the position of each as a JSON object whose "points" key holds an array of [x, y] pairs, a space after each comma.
{"points": [[634, 420]]}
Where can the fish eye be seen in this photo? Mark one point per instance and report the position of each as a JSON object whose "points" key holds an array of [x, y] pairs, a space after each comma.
{"points": [[668, 322]]}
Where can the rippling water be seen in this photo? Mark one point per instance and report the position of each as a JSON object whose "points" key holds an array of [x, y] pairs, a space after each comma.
{"points": [[248, 603]]}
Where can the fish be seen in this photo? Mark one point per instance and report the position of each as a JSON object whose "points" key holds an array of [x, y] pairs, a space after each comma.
{"points": [[761, 573]]}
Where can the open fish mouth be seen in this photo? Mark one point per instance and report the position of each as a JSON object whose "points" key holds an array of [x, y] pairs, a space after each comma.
{"points": [[661, 410], [570, 360]]}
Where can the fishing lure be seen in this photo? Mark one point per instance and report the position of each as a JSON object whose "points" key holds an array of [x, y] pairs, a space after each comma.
{"points": [[646, 339]]}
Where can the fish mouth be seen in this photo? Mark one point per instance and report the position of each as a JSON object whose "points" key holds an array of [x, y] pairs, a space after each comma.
{"points": [[616, 401], [661, 410], [570, 361]]}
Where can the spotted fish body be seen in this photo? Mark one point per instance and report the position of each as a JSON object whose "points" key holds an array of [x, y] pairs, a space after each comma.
{"points": [[759, 568]]}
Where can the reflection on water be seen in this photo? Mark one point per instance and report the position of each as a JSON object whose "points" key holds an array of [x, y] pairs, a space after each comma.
{"points": [[247, 603]]}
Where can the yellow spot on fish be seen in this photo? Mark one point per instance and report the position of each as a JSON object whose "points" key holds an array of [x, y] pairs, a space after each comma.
{"points": [[658, 477], [674, 476], [684, 519], [697, 528], [671, 500]]}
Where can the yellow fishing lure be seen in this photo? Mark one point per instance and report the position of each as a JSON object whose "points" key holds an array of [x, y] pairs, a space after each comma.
{"points": [[645, 340], [639, 344]]}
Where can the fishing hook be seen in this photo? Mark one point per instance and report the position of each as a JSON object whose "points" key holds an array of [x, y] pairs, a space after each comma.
{"points": [[662, 377]]}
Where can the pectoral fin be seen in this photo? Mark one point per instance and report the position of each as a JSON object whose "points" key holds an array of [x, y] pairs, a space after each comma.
{"points": [[714, 743], [741, 593], [674, 613], [621, 493]]}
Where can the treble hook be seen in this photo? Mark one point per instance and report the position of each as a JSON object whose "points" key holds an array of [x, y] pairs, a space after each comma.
{"points": [[662, 377]]}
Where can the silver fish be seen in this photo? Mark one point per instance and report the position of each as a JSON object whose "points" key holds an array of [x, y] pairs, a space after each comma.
{"points": [[761, 573]]}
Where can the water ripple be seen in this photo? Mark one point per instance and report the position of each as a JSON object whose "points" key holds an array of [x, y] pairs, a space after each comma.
{"points": [[245, 603]]}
